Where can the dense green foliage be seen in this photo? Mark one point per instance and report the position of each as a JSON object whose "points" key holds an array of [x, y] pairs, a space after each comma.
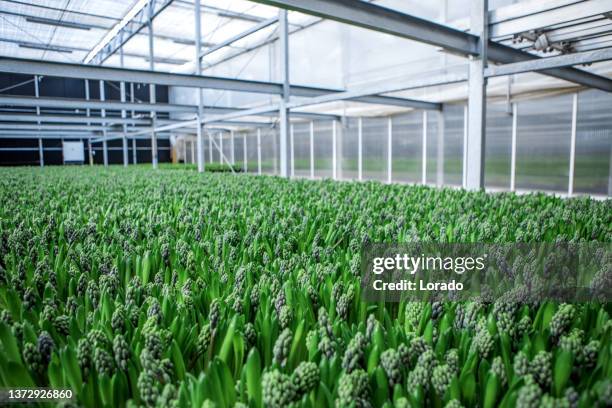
{"points": [[171, 288]]}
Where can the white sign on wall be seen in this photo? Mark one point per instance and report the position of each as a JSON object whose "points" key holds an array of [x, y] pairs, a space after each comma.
{"points": [[74, 152]]}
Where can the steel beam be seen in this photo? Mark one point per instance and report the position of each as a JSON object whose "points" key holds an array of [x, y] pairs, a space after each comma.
{"points": [[257, 27], [34, 126], [542, 64], [28, 101], [378, 18], [125, 29], [16, 117], [80, 71]]}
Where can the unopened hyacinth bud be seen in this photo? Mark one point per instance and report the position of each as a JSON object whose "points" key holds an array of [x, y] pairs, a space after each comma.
{"points": [[588, 356], [391, 363], [529, 395], [32, 358], [148, 387], [418, 377], [45, 345], [354, 390], [483, 341], [281, 347], [404, 354], [418, 346], [62, 325], [354, 353], [214, 314], [454, 403], [441, 378], [84, 354], [452, 360], [497, 368], [204, 339], [250, 335], [541, 368], [562, 320], [98, 339], [521, 364], [370, 326], [278, 390], [118, 319], [285, 316], [104, 362], [121, 350], [305, 377]]}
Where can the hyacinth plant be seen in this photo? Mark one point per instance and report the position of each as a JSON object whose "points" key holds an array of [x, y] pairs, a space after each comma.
{"points": [[170, 288]]}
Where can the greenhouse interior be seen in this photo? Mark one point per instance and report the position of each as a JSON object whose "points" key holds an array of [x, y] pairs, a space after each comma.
{"points": [[306, 203]]}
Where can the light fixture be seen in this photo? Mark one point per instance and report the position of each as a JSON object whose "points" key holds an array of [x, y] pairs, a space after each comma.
{"points": [[60, 23]]}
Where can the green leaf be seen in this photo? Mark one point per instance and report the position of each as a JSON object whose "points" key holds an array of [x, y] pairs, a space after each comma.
{"points": [[177, 360], [9, 344], [253, 376], [562, 371], [492, 390]]}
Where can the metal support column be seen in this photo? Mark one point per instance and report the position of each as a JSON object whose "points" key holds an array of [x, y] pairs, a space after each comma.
{"points": [[360, 148], [283, 34], [334, 150], [123, 115], [570, 186], [103, 114], [513, 147], [424, 152], [198, 61], [193, 153], [41, 155], [477, 88], [232, 154], [244, 152], [220, 148], [259, 151], [134, 150], [465, 143], [440, 150], [210, 148], [292, 149], [610, 174], [389, 149], [152, 96], [311, 149]]}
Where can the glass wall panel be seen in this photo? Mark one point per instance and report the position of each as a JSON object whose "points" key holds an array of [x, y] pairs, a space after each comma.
{"points": [[453, 144], [593, 143], [252, 151], [227, 147], [323, 148], [375, 148], [432, 147], [269, 151], [239, 149], [498, 145], [407, 147], [301, 149], [543, 143], [350, 149]]}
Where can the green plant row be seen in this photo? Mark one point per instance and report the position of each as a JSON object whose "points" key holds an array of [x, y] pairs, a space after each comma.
{"points": [[135, 287]]}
